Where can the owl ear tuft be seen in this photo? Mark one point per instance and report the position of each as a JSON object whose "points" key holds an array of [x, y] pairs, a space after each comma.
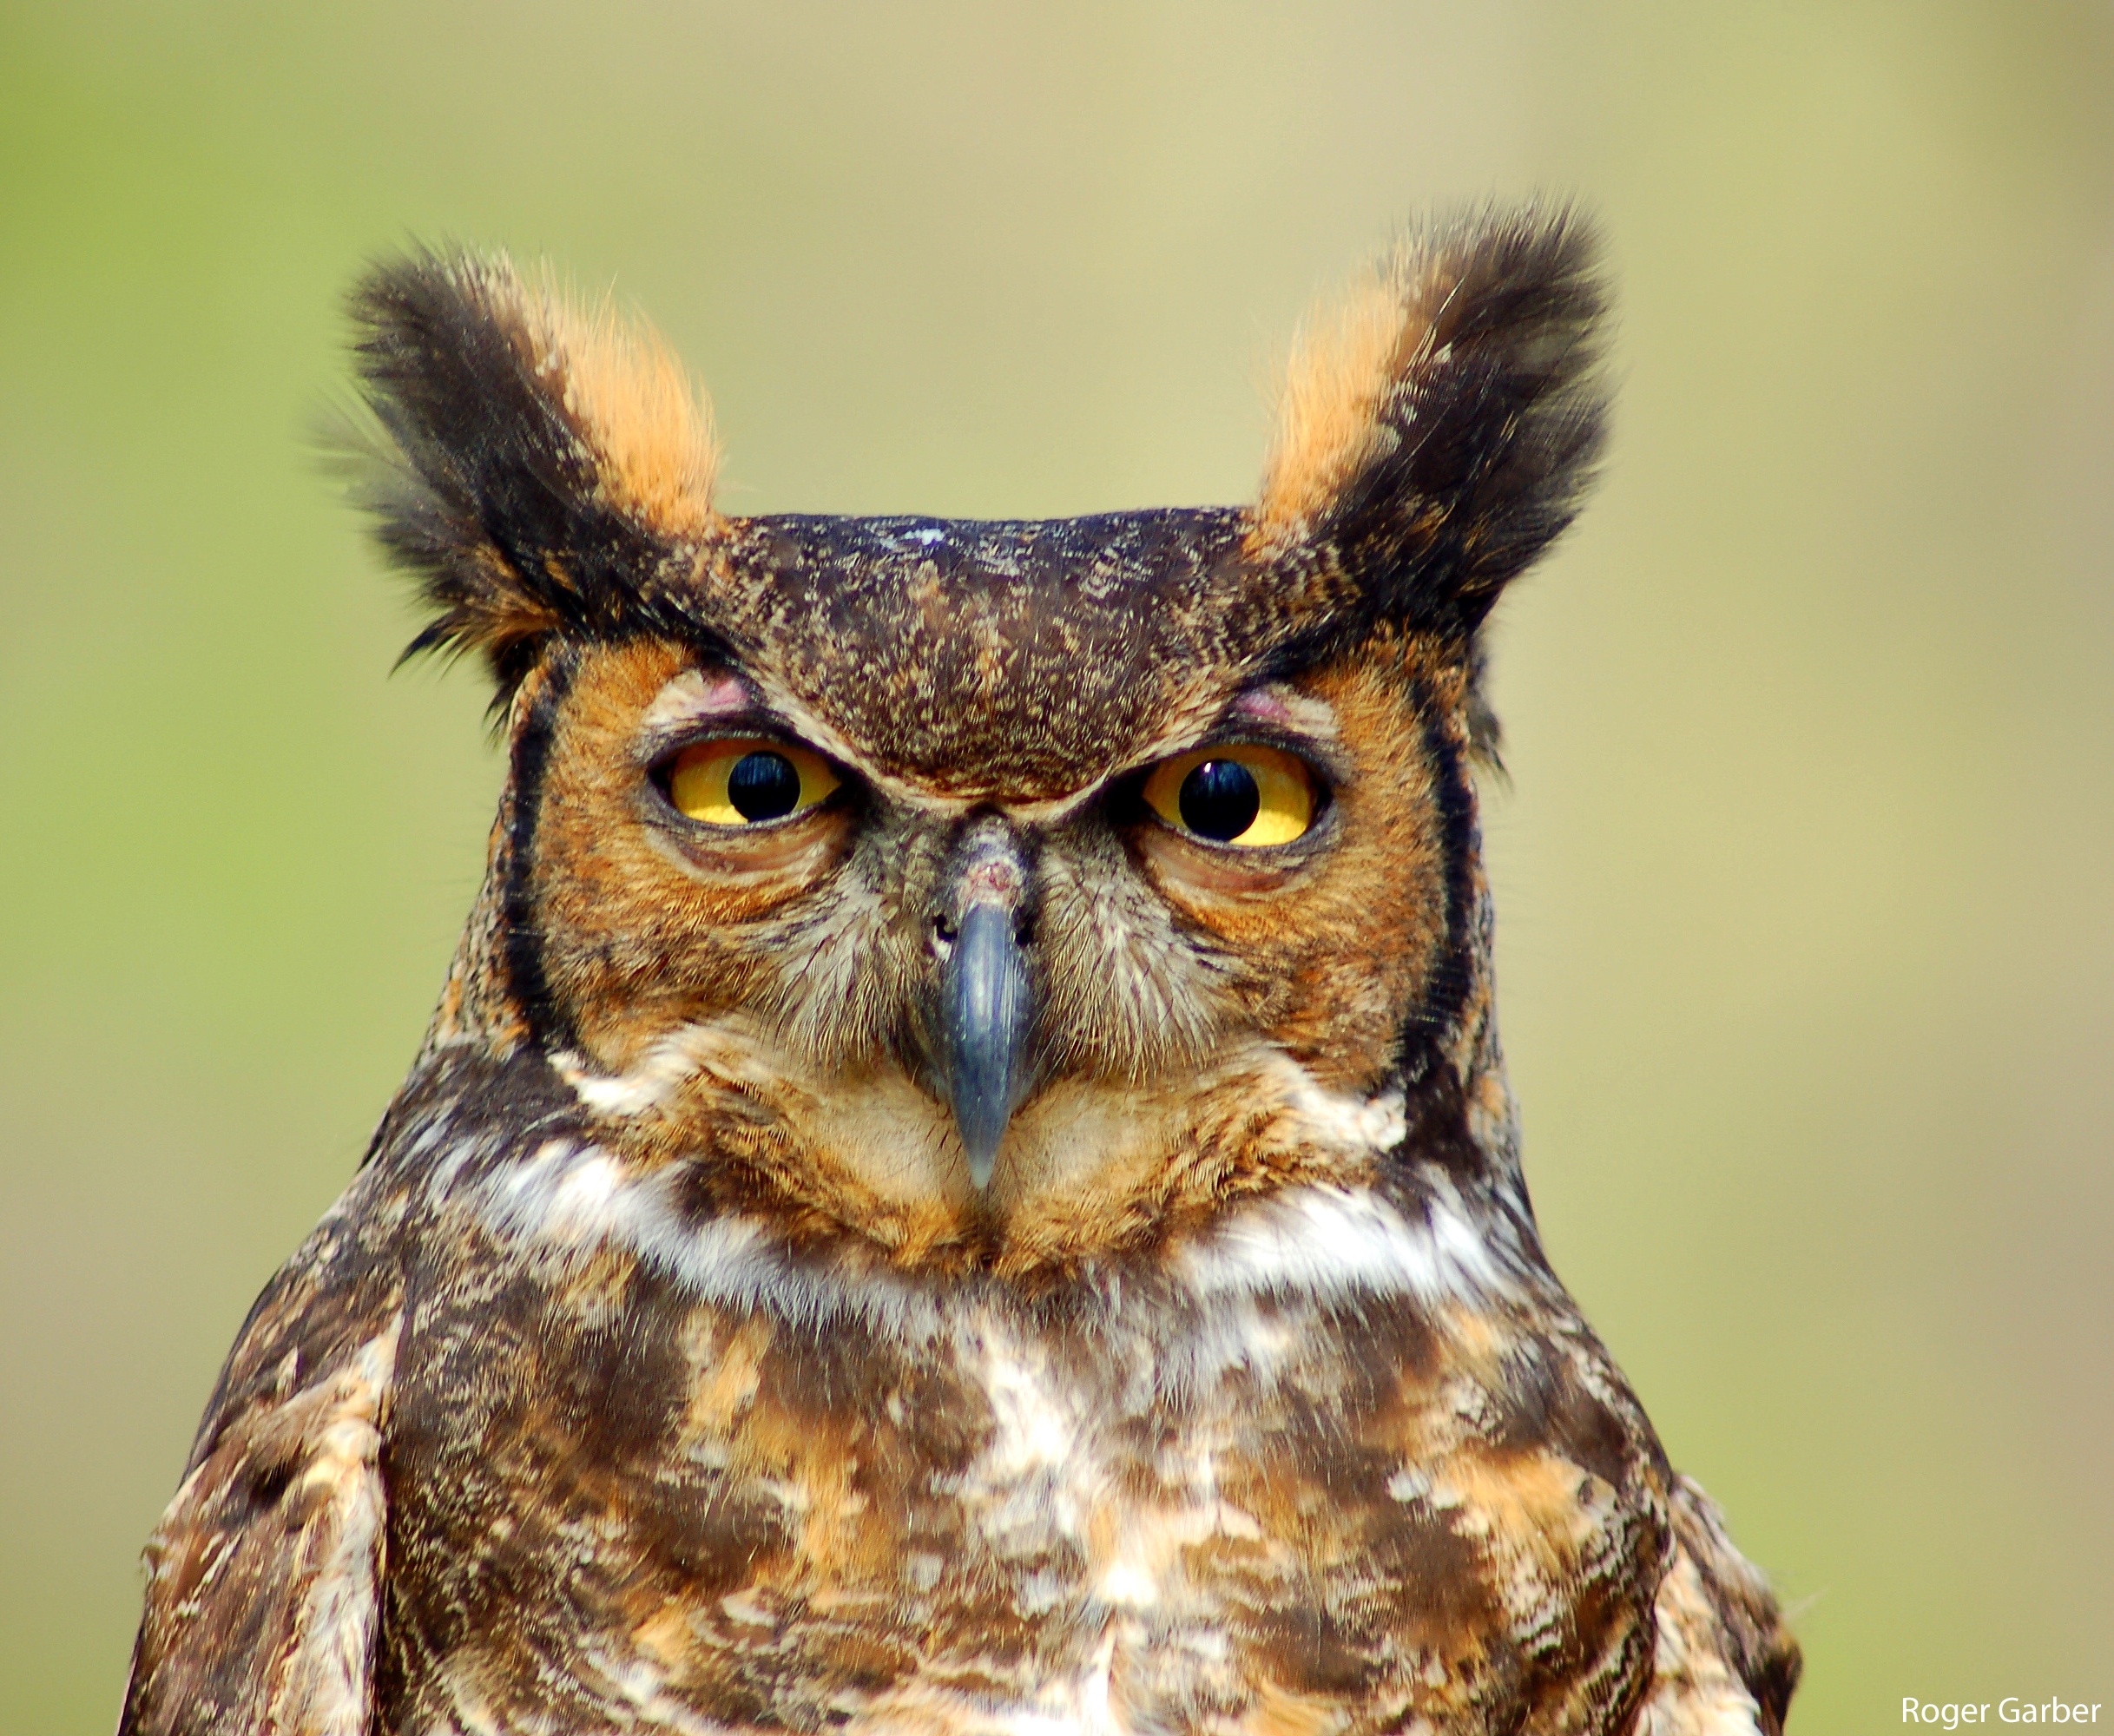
{"points": [[1438, 432], [538, 465]]}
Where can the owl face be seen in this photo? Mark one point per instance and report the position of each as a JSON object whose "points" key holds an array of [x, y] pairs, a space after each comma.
{"points": [[833, 956], [993, 893]]}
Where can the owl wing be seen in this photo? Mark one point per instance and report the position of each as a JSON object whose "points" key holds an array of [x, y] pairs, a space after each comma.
{"points": [[262, 1592], [1726, 1664]]}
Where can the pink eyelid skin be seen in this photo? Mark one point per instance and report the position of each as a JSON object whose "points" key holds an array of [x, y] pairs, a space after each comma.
{"points": [[723, 696], [696, 697], [1288, 710], [1263, 707]]}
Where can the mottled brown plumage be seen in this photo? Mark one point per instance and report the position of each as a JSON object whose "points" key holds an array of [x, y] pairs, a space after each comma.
{"points": [[970, 1248]]}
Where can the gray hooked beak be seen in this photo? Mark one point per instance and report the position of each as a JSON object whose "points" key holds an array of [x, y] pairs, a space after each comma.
{"points": [[986, 995]]}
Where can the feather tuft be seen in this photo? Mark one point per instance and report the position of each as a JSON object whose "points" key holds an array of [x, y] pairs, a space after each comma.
{"points": [[1438, 431], [537, 466]]}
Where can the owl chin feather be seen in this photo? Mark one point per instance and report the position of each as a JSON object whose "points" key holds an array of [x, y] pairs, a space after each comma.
{"points": [[1086, 1170], [962, 1180]]}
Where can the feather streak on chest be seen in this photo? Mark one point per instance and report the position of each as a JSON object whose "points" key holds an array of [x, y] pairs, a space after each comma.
{"points": [[1101, 1514]]}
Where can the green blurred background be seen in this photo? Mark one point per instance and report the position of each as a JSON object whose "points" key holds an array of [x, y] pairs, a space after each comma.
{"points": [[1808, 947]]}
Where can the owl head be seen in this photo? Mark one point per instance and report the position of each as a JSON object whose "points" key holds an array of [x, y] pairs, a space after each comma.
{"points": [[991, 893]]}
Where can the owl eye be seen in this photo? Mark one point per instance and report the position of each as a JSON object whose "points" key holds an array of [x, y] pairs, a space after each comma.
{"points": [[1242, 794], [746, 780]]}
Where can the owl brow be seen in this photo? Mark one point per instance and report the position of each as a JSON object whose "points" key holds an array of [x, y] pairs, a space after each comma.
{"points": [[696, 693], [1287, 708], [784, 712], [1274, 716], [717, 698], [1291, 720]]}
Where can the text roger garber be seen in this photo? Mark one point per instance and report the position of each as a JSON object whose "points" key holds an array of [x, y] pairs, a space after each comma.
{"points": [[1951, 1714]]}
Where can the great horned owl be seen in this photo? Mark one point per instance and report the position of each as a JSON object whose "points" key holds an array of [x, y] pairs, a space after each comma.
{"points": [[962, 1180]]}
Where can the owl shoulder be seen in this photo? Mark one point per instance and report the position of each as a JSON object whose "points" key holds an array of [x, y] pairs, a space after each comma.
{"points": [[262, 1596]]}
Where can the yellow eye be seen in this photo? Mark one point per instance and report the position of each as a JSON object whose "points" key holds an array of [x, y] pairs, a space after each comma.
{"points": [[743, 780], [1240, 794]]}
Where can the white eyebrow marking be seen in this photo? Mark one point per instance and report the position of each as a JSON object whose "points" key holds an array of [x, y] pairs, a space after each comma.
{"points": [[696, 695], [1288, 708]]}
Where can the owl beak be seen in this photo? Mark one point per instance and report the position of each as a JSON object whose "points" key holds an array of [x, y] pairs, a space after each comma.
{"points": [[986, 1009], [986, 990]]}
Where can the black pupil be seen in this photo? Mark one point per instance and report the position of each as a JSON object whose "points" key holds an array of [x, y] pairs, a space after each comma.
{"points": [[1219, 799], [764, 786]]}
